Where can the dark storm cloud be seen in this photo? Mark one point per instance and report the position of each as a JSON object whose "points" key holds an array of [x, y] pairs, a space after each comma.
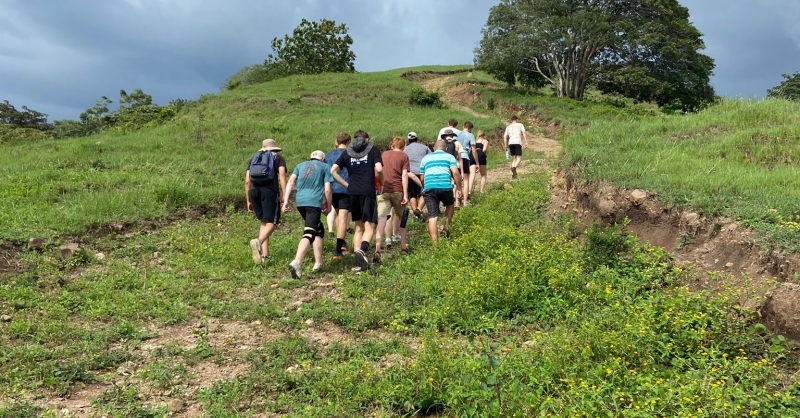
{"points": [[752, 42], [59, 57]]}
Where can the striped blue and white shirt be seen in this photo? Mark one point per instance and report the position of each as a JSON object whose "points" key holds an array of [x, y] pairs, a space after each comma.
{"points": [[436, 169]]}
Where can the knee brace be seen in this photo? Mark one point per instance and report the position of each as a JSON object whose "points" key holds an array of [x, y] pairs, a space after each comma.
{"points": [[308, 233]]}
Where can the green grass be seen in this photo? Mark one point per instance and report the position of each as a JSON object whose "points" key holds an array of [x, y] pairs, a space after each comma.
{"points": [[513, 316], [64, 187], [738, 159]]}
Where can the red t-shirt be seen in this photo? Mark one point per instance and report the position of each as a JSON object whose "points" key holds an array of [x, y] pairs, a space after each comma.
{"points": [[394, 162]]}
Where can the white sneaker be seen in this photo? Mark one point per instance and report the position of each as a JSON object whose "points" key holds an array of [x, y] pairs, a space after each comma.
{"points": [[317, 267], [255, 245], [294, 268], [396, 238], [387, 242]]}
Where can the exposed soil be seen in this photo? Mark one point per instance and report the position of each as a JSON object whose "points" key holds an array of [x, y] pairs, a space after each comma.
{"points": [[8, 258], [457, 97]]}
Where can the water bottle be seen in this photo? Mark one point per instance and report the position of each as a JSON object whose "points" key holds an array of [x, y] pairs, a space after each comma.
{"points": [[404, 218], [507, 156]]}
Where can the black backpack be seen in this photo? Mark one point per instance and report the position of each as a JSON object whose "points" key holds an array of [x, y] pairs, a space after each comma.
{"points": [[450, 147], [262, 168]]}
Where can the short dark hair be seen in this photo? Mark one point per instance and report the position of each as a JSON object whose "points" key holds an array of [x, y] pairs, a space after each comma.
{"points": [[360, 134], [342, 138], [412, 139], [514, 117], [468, 125], [452, 122]]}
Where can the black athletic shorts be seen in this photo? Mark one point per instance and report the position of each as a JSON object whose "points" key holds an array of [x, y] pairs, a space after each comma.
{"points": [[414, 191], [311, 216], [465, 163], [435, 196], [515, 149], [341, 201], [364, 208], [265, 204], [481, 158]]}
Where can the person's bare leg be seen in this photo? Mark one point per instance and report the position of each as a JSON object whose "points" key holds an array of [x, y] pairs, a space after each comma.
{"points": [[264, 232], [433, 229], [358, 235], [379, 233], [473, 169], [448, 216], [369, 229], [302, 249], [331, 218], [484, 174], [317, 250]]}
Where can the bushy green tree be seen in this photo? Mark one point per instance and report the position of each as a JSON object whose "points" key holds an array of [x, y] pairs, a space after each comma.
{"points": [[313, 48], [789, 88], [644, 49]]}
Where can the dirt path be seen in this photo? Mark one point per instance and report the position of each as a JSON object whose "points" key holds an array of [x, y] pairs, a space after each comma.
{"points": [[453, 97], [716, 252]]}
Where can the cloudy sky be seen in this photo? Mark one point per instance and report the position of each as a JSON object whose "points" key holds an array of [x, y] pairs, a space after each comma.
{"points": [[60, 56]]}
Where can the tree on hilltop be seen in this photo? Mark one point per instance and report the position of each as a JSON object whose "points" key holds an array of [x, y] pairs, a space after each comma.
{"points": [[789, 88], [643, 49], [313, 48]]}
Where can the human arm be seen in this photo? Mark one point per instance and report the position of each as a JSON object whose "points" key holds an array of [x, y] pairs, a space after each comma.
{"points": [[457, 177], [405, 188], [474, 151], [247, 190], [525, 136], [288, 190], [485, 146], [336, 176], [413, 177], [505, 139], [328, 199], [282, 180], [379, 173]]}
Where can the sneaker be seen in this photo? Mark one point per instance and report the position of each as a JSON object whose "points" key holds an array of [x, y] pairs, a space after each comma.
{"points": [[255, 245], [396, 238], [376, 258], [387, 242], [361, 261], [294, 268], [344, 250], [404, 251], [418, 214], [317, 267], [337, 255], [445, 233], [513, 172], [331, 235]]}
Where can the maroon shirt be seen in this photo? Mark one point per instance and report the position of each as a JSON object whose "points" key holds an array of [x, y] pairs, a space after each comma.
{"points": [[394, 162]]}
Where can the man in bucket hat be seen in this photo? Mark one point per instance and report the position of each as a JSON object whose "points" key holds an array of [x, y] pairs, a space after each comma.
{"points": [[264, 184]]}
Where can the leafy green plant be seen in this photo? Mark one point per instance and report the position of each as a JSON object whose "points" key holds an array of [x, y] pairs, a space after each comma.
{"points": [[425, 98]]}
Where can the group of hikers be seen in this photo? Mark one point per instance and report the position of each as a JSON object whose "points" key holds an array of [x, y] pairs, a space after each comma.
{"points": [[376, 190]]}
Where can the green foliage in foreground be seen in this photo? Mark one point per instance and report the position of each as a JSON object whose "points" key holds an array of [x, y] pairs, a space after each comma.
{"points": [[552, 328], [737, 159]]}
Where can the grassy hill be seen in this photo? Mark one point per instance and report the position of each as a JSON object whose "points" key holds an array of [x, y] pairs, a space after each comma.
{"points": [[513, 316]]}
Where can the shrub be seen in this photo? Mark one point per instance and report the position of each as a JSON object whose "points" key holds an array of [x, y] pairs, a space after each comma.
{"points": [[425, 98]]}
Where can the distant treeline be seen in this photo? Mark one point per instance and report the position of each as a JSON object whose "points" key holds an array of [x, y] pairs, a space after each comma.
{"points": [[136, 110]]}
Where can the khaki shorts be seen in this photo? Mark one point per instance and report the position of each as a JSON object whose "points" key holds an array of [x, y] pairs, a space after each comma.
{"points": [[387, 201]]}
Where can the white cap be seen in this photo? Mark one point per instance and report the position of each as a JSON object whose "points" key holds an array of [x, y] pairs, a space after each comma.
{"points": [[317, 155]]}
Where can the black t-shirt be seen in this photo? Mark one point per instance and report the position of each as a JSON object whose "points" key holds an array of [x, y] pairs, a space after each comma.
{"points": [[362, 172], [279, 162]]}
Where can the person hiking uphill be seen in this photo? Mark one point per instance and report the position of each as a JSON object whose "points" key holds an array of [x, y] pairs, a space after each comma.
{"points": [[341, 202], [513, 137], [439, 171], [264, 185], [363, 162], [314, 198]]}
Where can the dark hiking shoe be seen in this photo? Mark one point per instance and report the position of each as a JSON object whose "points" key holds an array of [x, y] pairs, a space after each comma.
{"points": [[361, 261]]}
